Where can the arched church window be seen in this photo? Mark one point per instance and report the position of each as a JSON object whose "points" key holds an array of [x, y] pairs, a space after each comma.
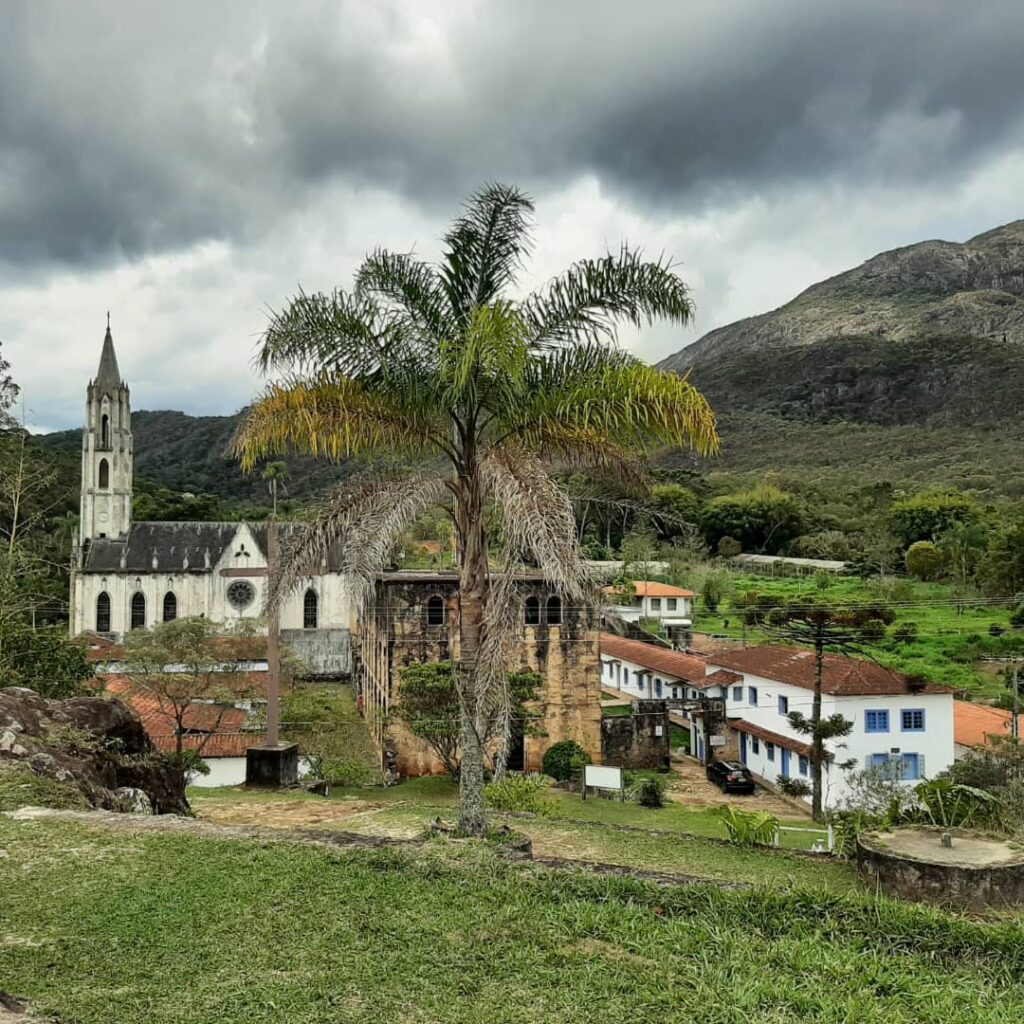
{"points": [[104, 474], [554, 616], [170, 606], [103, 613], [105, 431], [310, 609], [138, 610], [435, 611], [533, 611]]}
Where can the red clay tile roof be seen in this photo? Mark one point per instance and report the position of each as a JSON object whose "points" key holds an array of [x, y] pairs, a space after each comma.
{"points": [[687, 667], [722, 677], [224, 723], [974, 724], [650, 588], [740, 725], [843, 676]]}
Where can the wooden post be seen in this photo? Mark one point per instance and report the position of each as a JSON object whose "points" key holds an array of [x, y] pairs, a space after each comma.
{"points": [[273, 642]]}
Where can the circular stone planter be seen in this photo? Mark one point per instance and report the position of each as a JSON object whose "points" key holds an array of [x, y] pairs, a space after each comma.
{"points": [[975, 872]]}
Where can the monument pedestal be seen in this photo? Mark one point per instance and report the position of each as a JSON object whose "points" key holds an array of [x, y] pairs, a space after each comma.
{"points": [[272, 767]]}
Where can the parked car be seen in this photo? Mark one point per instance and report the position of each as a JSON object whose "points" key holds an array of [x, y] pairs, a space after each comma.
{"points": [[731, 776]]}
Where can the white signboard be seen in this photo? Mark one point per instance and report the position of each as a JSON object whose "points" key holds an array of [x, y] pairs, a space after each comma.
{"points": [[718, 741], [601, 777]]}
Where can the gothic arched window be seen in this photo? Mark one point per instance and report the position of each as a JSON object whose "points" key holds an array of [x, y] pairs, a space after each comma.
{"points": [[310, 609], [105, 431], [138, 616], [554, 616], [103, 613], [533, 611], [104, 474], [435, 611], [170, 606]]}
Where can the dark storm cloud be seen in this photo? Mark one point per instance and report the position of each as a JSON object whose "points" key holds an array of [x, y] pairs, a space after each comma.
{"points": [[127, 129]]}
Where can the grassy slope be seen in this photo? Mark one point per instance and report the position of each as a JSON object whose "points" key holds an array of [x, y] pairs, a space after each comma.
{"points": [[104, 926], [938, 651]]}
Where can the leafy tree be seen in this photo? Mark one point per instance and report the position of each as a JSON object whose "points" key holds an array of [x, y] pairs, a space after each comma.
{"points": [[428, 705], [1002, 568], [963, 547], [674, 508], [46, 660], [714, 585], [762, 519], [924, 560], [928, 515], [466, 391], [187, 664], [729, 547]]}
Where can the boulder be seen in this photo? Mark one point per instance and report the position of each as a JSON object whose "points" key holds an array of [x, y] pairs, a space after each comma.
{"points": [[90, 748]]}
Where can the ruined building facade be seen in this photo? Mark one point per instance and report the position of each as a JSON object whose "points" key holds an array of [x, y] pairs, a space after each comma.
{"points": [[413, 619]]}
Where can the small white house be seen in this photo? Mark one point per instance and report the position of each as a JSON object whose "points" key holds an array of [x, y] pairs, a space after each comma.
{"points": [[646, 599], [896, 722]]}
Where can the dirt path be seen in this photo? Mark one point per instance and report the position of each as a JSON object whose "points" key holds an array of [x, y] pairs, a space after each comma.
{"points": [[691, 787], [170, 824]]}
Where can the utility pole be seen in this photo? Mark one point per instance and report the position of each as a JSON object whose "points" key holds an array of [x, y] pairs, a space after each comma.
{"points": [[273, 642], [1014, 684]]}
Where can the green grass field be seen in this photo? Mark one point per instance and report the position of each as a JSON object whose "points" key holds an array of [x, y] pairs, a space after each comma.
{"points": [[144, 928], [948, 646]]}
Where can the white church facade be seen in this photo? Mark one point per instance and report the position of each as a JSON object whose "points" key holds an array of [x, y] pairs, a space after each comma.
{"points": [[128, 575]]}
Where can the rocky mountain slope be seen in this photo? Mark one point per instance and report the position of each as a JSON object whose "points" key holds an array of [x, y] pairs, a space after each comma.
{"points": [[933, 288]]}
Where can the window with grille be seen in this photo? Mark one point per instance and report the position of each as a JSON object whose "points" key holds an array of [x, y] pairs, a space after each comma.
{"points": [[170, 606], [103, 479], [876, 721], [310, 609], [103, 613], [533, 611], [138, 610], [554, 611], [912, 720]]}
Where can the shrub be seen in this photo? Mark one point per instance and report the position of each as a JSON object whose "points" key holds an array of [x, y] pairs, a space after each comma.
{"points": [[793, 787], [564, 760], [905, 632], [648, 792], [1017, 615], [873, 630], [924, 560], [729, 547], [749, 828], [847, 827], [996, 630], [520, 793]]}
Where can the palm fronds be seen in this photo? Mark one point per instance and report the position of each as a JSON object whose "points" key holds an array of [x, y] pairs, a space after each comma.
{"points": [[592, 296]]}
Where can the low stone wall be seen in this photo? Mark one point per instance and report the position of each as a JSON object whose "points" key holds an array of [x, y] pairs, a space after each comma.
{"points": [[636, 741], [966, 886]]}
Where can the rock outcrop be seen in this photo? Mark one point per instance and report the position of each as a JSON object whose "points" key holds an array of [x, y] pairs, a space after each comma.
{"points": [[84, 752], [970, 289]]}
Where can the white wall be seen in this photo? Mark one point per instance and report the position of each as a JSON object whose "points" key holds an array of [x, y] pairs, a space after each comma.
{"points": [[641, 683], [934, 744]]}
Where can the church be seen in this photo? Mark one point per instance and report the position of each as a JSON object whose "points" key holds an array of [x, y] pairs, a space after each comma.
{"points": [[127, 575]]}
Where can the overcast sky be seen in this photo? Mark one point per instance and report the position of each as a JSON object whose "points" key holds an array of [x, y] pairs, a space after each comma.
{"points": [[188, 165]]}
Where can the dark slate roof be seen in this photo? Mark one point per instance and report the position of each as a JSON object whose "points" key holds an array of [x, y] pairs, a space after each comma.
{"points": [[108, 377], [201, 543]]}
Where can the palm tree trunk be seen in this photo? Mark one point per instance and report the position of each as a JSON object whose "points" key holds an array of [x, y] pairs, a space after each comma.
{"points": [[474, 585]]}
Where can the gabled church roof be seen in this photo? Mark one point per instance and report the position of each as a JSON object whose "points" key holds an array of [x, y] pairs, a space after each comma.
{"points": [[177, 547], [108, 376]]}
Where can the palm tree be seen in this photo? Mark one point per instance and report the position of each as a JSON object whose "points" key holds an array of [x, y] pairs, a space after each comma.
{"points": [[472, 392], [275, 473]]}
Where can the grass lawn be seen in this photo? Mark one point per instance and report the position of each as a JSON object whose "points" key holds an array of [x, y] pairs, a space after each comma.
{"points": [[100, 926], [580, 830], [948, 644]]}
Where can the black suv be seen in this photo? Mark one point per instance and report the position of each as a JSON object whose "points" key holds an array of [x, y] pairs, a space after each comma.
{"points": [[731, 776]]}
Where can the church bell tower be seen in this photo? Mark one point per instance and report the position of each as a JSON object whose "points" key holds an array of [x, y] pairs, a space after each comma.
{"points": [[106, 510]]}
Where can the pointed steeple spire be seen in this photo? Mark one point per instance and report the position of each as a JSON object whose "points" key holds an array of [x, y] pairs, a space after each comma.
{"points": [[108, 377]]}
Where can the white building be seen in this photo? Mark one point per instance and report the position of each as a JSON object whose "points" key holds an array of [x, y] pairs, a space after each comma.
{"points": [[128, 575], [648, 671], [897, 723], [671, 606]]}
